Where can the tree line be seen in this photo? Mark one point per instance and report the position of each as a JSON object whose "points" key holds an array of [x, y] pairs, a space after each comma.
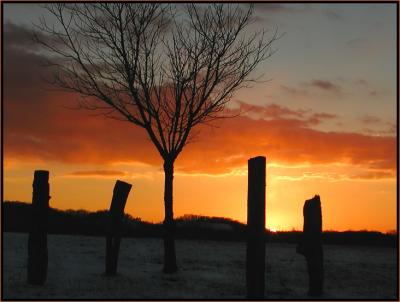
{"points": [[16, 218]]}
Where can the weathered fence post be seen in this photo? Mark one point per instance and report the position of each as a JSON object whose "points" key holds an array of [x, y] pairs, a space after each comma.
{"points": [[113, 236], [311, 245], [255, 258], [37, 239]]}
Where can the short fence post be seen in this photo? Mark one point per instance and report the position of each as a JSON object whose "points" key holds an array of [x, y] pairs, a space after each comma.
{"points": [[255, 257], [115, 215], [311, 245], [37, 239]]}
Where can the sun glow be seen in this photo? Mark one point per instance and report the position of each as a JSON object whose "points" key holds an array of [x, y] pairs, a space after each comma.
{"points": [[273, 230]]}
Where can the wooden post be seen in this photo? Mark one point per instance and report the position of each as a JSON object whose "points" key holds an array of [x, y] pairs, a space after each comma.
{"points": [[255, 258], [37, 239], [113, 236], [311, 245]]}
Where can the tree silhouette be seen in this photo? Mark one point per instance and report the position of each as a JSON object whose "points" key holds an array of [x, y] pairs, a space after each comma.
{"points": [[166, 68]]}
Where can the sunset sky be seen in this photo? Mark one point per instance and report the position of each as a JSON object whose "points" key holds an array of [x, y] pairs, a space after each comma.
{"points": [[325, 120]]}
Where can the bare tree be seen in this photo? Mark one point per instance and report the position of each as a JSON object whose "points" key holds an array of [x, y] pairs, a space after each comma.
{"points": [[165, 68]]}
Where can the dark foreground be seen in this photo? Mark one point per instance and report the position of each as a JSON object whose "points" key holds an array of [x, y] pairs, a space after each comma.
{"points": [[208, 270]]}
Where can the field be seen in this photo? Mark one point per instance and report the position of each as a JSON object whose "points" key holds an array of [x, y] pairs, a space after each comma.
{"points": [[208, 270]]}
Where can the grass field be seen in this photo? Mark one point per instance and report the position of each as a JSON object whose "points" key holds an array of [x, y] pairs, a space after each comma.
{"points": [[208, 270]]}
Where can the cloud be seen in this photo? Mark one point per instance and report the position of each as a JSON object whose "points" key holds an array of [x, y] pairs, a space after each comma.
{"points": [[374, 175], [98, 173], [37, 126], [294, 91], [317, 118], [43, 129], [265, 12], [276, 8], [380, 126], [367, 87], [308, 88], [362, 82], [334, 177], [270, 110], [326, 85], [23, 70], [368, 119], [286, 141], [18, 36], [301, 117]]}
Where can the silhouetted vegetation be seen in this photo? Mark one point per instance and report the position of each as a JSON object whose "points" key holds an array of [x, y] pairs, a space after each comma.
{"points": [[182, 75], [16, 219]]}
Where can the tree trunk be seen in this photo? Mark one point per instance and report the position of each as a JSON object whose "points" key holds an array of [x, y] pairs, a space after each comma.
{"points": [[169, 223]]}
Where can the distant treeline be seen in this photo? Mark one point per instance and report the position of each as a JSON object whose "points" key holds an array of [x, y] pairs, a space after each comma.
{"points": [[16, 218]]}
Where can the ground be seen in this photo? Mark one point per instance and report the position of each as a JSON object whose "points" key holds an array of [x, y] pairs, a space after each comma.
{"points": [[207, 270]]}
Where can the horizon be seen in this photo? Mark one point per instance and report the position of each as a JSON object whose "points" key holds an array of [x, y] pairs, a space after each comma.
{"points": [[326, 123], [189, 215]]}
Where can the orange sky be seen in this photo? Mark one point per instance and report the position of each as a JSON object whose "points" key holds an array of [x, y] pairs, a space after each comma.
{"points": [[85, 154], [322, 133]]}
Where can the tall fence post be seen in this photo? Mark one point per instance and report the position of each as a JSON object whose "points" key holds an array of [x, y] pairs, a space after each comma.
{"points": [[37, 239], [311, 245], [113, 235], [255, 257]]}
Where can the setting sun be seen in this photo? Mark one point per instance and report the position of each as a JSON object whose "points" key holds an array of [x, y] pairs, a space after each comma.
{"points": [[273, 230]]}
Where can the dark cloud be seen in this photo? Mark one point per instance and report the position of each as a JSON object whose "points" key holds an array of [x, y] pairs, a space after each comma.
{"points": [[75, 137], [377, 126], [37, 126], [324, 116], [305, 88], [267, 7], [317, 118], [294, 91], [304, 117], [368, 119], [270, 110], [362, 82], [265, 12], [24, 74], [18, 36], [24, 71], [367, 87], [326, 85]]}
